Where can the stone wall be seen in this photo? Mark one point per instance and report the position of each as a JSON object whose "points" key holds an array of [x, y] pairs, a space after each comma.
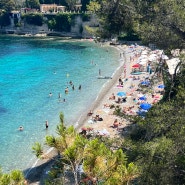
{"points": [[77, 30]]}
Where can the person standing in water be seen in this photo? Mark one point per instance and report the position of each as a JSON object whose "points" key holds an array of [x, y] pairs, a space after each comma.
{"points": [[46, 124], [59, 95], [99, 72], [66, 90], [80, 87]]}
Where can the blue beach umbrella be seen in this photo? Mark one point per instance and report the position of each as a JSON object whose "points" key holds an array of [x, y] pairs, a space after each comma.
{"points": [[145, 83], [142, 98], [121, 94], [161, 86], [142, 112], [145, 106]]}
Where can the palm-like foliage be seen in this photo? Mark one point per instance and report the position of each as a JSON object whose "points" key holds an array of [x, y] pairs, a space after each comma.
{"points": [[15, 177], [37, 149]]}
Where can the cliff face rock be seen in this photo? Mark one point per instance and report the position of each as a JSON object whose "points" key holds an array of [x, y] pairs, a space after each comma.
{"points": [[77, 29]]}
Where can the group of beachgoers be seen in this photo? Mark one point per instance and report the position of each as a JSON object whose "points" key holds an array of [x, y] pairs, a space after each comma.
{"points": [[66, 91], [130, 102], [21, 128]]}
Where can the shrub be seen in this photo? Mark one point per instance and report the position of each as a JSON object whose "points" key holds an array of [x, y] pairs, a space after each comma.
{"points": [[34, 18]]}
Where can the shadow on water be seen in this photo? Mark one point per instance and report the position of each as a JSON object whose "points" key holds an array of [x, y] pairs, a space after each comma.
{"points": [[39, 172], [3, 110]]}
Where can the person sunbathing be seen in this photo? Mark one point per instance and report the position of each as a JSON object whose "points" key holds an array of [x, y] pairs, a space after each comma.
{"points": [[90, 113], [116, 123], [106, 105], [113, 97], [97, 118], [119, 100]]}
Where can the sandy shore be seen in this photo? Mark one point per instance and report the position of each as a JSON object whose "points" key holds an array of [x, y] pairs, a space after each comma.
{"points": [[101, 105]]}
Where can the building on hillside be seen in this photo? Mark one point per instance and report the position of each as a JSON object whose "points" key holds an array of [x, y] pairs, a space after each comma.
{"points": [[78, 5], [45, 8], [15, 14], [28, 10]]}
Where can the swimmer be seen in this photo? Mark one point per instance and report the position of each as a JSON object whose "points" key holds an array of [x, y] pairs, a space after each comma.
{"points": [[46, 124], [50, 94], [71, 83], [73, 87], [66, 90], [59, 95], [80, 87], [21, 128]]}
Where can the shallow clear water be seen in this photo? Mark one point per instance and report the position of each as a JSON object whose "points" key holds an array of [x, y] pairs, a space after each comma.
{"points": [[31, 68]]}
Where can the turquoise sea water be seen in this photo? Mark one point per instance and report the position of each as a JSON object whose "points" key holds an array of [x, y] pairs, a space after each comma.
{"points": [[31, 68]]}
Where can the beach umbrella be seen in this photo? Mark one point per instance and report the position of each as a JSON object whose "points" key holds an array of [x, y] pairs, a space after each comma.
{"points": [[136, 66], [161, 86], [142, 112], [164, 57], [142, 98], [172, 64], [145, 83], [142, 61], [145, 106], [145, 52], [121, 94], [152, 57]]}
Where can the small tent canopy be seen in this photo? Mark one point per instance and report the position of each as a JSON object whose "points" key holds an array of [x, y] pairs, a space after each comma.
{"points": [[172, 64]]}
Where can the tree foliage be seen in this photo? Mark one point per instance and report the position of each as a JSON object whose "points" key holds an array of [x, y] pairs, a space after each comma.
{"points": [[99, 162], [34, 18], [15, 177], [34, 4], [4, 19], [157, 22], [7, 5]]}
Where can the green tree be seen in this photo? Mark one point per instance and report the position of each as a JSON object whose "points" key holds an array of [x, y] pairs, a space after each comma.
{"points": [[93, 7], [103, 165], [160, 22], [37, 149], [71, 4], [15, 177], [4, 19], [7, 5], [33, 4], [34, 18]]}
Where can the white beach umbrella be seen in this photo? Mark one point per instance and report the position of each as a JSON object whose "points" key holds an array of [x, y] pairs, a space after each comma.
{"points": [[143, 61], [152, 57], [145, 52], [172, 64], [165, 57], [142, 56]]}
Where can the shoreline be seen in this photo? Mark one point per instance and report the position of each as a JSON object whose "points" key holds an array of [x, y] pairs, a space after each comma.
{"points": [[104, 91]]}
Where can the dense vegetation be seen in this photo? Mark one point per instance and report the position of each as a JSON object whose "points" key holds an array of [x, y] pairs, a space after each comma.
{"points": [[33, 18], [158, 22]]}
